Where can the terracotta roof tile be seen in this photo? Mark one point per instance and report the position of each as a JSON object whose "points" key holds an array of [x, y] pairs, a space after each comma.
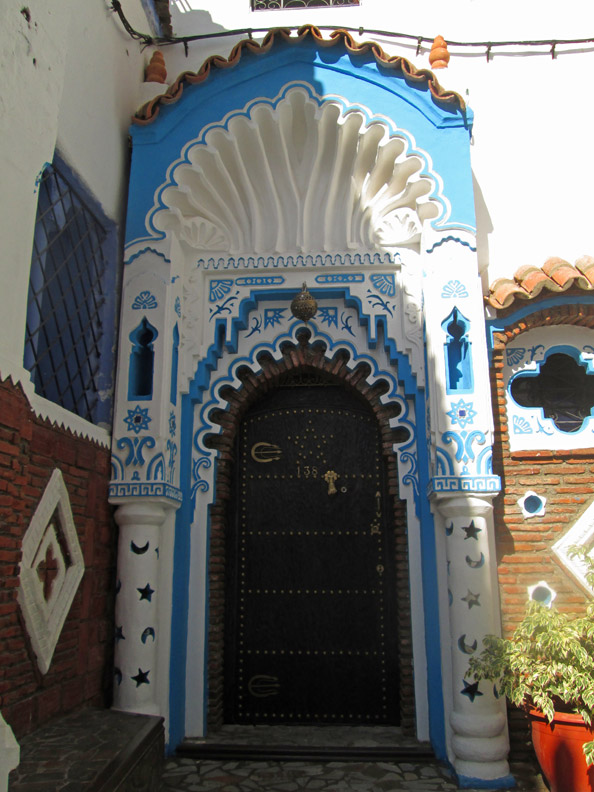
{"points": [[400, 66], [555, 275]]}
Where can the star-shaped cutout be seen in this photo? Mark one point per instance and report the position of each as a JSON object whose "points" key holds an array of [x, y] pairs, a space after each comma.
{"points": [[141, 678], [119, 634], [471, 599], [470, 689], [471, 531], [146, 593]]}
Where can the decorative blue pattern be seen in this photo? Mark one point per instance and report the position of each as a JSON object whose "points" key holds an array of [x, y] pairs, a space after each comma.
{"points": [[224, 307], [411, 476], [172, 424], [514, 355], [261, 280], [145, 489], [384, 283], [299, 261], [465, 484], [177, 306], [345, 323], [219, 288], [464, 442], [336, 277], [199, 485], [328, 316], [156, 468], [172, 450], [451, 239], [376, 301], [135, 445], [453, 290], [138, 419], [521, 425], [144, 301], [256, 325], [461, 413], [273, 316]]}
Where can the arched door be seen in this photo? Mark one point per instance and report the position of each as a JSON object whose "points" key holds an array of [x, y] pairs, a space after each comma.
{"points": [[310, 618]]}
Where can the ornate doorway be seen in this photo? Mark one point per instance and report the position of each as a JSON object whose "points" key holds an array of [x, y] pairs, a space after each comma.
{"points": [[311, 623]]}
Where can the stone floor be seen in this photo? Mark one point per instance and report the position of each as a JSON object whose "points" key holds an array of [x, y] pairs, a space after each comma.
{"points": [[190, 775], [366, 773]]}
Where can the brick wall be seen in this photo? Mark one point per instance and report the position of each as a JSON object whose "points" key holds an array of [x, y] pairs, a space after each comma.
{"points": [[300, 358], [80, 672], [565, 478]]}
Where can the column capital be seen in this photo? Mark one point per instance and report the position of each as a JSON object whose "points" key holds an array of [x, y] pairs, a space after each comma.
{"points": [[464, 505]]}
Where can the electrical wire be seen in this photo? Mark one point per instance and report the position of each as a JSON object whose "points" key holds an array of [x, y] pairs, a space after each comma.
{"points": [[488, 46]]}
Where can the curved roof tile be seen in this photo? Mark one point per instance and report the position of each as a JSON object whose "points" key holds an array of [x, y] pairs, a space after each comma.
{"points": [[400, 66], [556, 275]]}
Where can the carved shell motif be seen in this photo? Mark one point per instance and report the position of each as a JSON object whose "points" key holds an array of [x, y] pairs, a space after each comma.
{"points": [[304, 175]]}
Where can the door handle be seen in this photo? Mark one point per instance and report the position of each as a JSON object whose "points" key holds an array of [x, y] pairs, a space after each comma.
{"points": [[330, 477]]}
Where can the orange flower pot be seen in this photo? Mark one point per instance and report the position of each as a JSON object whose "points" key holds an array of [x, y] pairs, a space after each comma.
{"points": [[558, 747]]}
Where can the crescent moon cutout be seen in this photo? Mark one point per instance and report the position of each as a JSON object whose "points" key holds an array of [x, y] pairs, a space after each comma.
{"points": [[146, 633], [475, 564], [449, 529], [138, 550], [466, 648]]}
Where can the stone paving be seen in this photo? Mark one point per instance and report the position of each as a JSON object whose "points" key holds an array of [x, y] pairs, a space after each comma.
{"points": [[245, 774], [190, 775]]}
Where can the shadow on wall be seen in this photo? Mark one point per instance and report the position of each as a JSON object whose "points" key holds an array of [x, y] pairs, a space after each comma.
{"points": [[484, 227], [187, 21]]}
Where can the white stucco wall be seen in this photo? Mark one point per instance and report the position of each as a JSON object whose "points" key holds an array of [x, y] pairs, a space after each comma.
{"points": [[70, 78], [532, 156]]}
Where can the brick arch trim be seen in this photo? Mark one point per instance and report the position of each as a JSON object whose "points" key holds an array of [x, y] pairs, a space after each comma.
{"points": [[301, 357]]}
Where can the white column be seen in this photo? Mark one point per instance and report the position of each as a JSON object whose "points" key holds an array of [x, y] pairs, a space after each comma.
{"points": [[478, 719], [137, 623]]}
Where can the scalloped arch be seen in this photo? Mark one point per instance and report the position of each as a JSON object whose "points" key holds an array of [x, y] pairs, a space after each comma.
{"points": [[301, 173]]}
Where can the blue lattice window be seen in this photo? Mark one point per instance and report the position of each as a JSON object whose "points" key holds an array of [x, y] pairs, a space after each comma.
{"points": [[70, 311], [270, 5]]}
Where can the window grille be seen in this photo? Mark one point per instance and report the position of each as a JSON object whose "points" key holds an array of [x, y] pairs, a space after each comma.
{"points": [[269, 5], [65, 330]]}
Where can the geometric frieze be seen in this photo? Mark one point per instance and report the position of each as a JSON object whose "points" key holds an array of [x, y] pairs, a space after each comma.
{"points": [[51, 569]]}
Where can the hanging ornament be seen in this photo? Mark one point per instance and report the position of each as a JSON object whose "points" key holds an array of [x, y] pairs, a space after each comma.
{"points": [[304, 306], [439, 56]]}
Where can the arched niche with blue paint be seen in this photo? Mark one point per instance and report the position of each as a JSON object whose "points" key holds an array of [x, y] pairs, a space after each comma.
{"points": [[458, 353], [142, 361]]}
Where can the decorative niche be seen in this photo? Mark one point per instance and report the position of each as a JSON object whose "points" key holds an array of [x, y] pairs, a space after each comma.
{"points": [[549, 382]]}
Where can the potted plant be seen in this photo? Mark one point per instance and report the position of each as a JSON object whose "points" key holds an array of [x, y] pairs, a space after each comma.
{"points": [[547, 669]]}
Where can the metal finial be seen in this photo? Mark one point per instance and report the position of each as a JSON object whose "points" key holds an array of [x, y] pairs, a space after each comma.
{"points": [[304, 306]]}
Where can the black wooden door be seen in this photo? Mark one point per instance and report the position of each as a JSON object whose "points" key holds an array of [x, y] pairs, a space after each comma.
{"points": [[311, 629]]}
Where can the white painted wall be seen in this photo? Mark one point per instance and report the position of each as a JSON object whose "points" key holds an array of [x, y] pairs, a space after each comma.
{"points": [[532, 154], [70, 77]]}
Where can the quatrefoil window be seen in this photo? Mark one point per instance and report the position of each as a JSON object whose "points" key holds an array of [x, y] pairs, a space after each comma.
{"points": [[561, 388]]}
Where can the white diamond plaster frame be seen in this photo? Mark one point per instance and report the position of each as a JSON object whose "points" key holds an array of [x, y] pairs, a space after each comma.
{"points": [[581, 534], [529, 430], [44, 618], [10, 753]]}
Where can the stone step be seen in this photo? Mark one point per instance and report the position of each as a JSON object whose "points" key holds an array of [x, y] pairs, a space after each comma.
{"points": [[92, 750]]}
